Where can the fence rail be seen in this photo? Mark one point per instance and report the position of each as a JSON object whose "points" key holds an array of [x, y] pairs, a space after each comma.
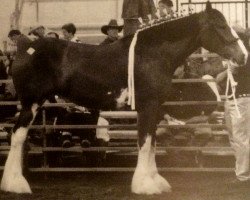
{"points": [[234, 11], [131, 134]]}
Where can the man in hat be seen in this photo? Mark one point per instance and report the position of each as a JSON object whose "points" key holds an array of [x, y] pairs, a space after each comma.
{"points": [[111, 30]]}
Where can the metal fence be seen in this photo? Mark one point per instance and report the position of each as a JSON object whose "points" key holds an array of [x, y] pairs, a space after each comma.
{"points": [[234, 11]]}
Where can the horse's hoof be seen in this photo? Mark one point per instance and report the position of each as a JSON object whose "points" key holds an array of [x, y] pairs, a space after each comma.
{"points": [[162, 183], [144, 184], [17, 184]]}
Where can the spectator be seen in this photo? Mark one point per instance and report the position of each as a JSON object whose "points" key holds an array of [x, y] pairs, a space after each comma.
{"points": [[52, 35], [69, 31], [165, 8], [134, 9], [111, 30], [13, 35], [37, 31], [3, 74]]}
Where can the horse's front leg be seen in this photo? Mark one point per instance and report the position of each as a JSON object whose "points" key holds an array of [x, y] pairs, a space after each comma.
{"points": [[13, 179], [146, 179]]}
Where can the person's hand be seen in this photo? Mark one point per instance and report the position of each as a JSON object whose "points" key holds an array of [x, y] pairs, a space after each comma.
{"points": [[230, 65], [233, 68]]}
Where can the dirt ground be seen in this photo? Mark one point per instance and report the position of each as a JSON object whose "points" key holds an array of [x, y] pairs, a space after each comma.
{"points": [[116, 186]]}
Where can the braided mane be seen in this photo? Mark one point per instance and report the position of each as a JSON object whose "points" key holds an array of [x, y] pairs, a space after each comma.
{"points": [[169, 29]]}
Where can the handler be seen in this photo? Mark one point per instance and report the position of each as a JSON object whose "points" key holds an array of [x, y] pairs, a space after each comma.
{"points": [[239, 126]]}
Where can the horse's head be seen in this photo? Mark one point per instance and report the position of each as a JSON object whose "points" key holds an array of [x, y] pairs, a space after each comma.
{"points": [[218, 37]]}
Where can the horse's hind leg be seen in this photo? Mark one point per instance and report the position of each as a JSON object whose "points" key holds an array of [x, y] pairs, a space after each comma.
{"points": [[13, 179], [146, 179]]}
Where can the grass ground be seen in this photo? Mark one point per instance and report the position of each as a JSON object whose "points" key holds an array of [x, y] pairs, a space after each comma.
{"points": [[116, 186]]}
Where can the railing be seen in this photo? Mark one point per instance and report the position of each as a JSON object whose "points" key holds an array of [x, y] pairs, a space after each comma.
{"points": [[234, 11], [114, 133]]}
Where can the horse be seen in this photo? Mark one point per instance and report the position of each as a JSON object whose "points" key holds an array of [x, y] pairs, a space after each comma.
{"points": [[95, 77]]}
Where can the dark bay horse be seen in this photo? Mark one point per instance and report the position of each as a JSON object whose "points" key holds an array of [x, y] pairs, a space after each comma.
{"points": [[94, 76]]}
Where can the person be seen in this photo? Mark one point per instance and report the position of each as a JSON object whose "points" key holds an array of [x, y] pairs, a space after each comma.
{"points": [[13, 35], [69, 31], [37, 31], [165, 8], [132, 10], [111, 30], [239, 125], [3, 74], [52, 34]]}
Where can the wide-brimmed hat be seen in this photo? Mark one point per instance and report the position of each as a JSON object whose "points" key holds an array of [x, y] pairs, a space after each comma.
{"points": [[34, 28], [112, 24]]}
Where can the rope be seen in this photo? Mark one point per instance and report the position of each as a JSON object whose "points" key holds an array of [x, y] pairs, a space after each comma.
{"points": [[231, 82]]}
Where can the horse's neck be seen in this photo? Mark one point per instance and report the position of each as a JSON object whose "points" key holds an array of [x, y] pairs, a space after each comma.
{"points": [[177, 52], [184, 49], [174, 30], [177, 39]]}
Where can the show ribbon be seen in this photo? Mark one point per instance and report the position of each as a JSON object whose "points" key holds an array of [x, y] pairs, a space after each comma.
{"points": [[131, 63], [131, 66]]}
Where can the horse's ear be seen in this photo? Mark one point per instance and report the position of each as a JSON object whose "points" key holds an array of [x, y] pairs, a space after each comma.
{"points": [[208, 6]]}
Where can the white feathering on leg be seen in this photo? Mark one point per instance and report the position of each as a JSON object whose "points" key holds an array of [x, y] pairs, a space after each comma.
{"points": [[142, 183], [146, 179], [161, 182], [13, 180]]}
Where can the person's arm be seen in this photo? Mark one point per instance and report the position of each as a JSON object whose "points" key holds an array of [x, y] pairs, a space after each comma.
{"points": [[221, 77]]}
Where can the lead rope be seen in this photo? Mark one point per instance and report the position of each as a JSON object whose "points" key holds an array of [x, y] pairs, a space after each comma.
{"points": [[233, 84]]}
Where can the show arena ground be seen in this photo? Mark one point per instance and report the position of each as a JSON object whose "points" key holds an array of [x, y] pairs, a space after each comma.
{"points": [[116, 186]]}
